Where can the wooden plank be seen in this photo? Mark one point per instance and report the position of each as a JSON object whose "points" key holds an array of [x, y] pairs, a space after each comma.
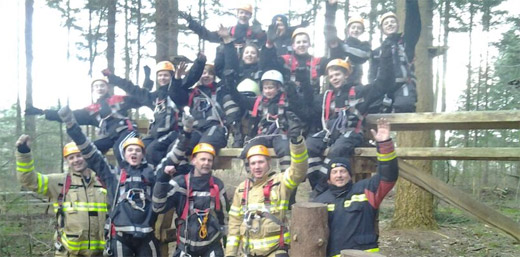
{"points": [[459, 199], [449, 120], [424, 153], [446, 153]]}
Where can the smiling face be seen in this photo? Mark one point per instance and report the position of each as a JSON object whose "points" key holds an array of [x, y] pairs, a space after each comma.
{"points": [[76, 162], [259, 166], [339, 176], [164, 77], [134, 155], [250, 55], [99, 88], [301, 44], [207, 77], [270, 88], [202, 162], [355, 29], [243, 16], [390, 26], [337, 77]]}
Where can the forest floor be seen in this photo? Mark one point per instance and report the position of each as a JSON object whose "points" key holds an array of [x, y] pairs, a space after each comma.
{"points": [[26, 231]]}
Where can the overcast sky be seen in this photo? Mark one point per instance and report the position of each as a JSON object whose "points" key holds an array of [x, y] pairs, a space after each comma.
{"points": [[54, 78]]}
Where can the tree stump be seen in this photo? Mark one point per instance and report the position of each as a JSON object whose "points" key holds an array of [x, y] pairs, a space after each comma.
{"points": [[309, 230], [359, 253]]}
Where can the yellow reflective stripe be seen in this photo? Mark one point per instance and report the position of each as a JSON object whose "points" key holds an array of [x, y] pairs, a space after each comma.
{"points": [[232, 241], [82, 206], [235, 211], [373, 250], [25, 166], [43, 182], [278, 205], [355, 198], [297, 158], [330, 207], [288, 182], [386, 157], [337, 255], [83, 245], [268, 242]]}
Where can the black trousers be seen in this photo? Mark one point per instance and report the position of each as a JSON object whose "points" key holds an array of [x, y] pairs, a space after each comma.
{"points": [[127, 245]]}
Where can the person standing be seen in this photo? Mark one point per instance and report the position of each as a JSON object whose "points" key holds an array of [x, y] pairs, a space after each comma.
{"points": [[79, 200]]}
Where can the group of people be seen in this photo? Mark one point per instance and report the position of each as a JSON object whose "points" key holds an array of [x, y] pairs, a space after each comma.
{"points": [[263, 89]]}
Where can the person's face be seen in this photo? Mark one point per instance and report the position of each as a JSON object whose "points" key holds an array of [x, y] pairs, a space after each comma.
{"points": [[250, 55], [269, 88], [259, 166], [164, 77], [280, 27], [243, 16], [336, 77], [339, 176], [76, 162], [203, 162], [301, 44], [355, 29], [100, 88], [134, 155], [390, 26], [207, 78]]}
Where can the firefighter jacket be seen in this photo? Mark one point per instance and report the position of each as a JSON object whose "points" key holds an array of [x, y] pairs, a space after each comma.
{"points": [[166, 102], [353, 209], [108, 113], [257, 216], [129, 189], [343, 109], [205, 106], [84, 206], [403, 48]]}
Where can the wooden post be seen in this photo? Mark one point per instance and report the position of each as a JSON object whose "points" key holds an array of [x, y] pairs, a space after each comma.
{"points": [[164, 231], [359, 253], [309, 230]]}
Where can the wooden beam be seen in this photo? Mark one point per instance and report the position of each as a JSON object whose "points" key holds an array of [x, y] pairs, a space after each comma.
{"points": [[446, 153], [449, 120], [459, 199]]}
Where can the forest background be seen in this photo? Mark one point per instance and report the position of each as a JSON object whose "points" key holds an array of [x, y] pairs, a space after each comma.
{"points": [[53, 48]]}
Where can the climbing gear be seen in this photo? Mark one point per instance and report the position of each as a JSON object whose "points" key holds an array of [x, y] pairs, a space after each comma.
{"points": [[133, 141], [340, 63], [257, 150], [273, 75], [356, 19], [248, 85], [386, 15], [70, 148], [203, 148], [299, 31], [165, 66]]}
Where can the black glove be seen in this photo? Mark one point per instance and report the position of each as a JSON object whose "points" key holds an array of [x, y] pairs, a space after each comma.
{"points": [[256, 28], [295, 127], [186, 16], [31, 110], [271, 33], [106, 72], [148, 83], [290, 89]]}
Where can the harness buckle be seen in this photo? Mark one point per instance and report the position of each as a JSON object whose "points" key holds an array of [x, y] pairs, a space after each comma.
{"points": [[59, 246]]}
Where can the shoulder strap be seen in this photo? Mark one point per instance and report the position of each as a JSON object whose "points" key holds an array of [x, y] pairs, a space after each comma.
{"points": [[189, 193], [267, 192], [64, 190], [122, 177], [243, 202], [214, 192], [328, 100], [258, 100]]}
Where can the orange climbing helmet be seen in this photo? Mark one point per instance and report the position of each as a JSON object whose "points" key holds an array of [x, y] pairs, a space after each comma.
{"points": [[70, 148], [204, 148], [257, 150]]}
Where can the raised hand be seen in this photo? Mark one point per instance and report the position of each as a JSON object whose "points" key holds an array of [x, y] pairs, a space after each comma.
{"points": [[180, 70], [383, 130], [67, 116], [23, 140], [31, 110], [295, 126], [106, 72], [187, 120], [170, 170]]}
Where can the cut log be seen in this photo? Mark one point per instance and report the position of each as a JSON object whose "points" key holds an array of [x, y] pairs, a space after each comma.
{"points": [[359, 253], [309, 230], [459, 199]]}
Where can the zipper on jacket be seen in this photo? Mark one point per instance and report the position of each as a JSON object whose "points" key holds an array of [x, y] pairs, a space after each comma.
{"points": [[88, 204]]}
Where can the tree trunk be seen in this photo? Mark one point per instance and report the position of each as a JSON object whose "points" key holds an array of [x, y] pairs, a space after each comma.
{"points": [[161, 30], [413, 205], [30, 121], [309, 240], [111, 33], [173, 28]]}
